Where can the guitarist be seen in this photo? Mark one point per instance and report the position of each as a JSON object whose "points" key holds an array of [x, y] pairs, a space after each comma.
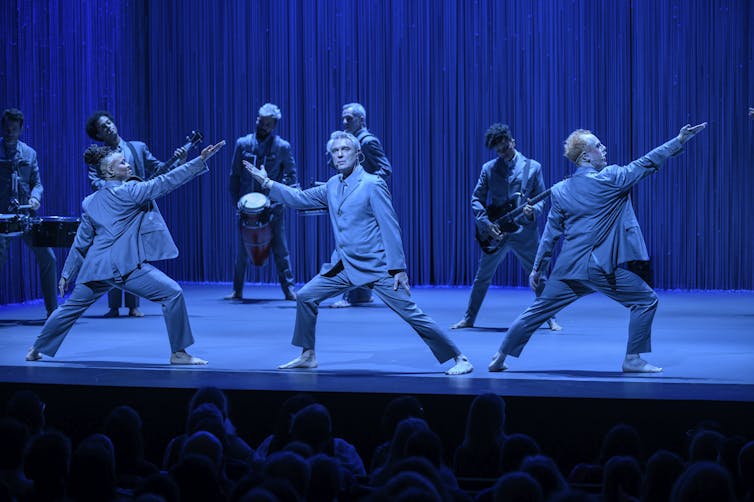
{"points": [[100, 126], [495, 194]]}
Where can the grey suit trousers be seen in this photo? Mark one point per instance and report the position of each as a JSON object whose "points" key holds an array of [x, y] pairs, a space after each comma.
{"points": [[622, 286], [322, 287], [147, 282], [47, 269]]}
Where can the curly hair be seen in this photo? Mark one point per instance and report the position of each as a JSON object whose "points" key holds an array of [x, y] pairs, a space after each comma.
{"points": [[91, 123], [575, 144], [496, 134], [98, 156]]}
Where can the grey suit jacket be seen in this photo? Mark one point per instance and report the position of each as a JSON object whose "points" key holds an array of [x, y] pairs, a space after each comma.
{"points": [[145, 164], [29, 183], [593, 213], [275, 154], [367, 234], [497, 184], [122, 228]]}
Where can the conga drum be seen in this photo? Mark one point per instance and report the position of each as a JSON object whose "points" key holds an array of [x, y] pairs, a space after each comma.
{"points": [[254, 223]]}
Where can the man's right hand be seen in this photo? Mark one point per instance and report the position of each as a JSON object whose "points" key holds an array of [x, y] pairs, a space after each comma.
{"points": [[534, 278], [258, 173], [688, 131], [210, 150], [494, 231], [62, 286]]}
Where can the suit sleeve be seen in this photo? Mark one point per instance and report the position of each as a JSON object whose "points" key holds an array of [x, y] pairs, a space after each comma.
{"points": [[627, 176], [382, 206], [81, 245], [35, 183], [375, 157], [235, 173], [311, 198], [553, 231], [144, 191], [478, 201], [537, 186], [288, 167]]}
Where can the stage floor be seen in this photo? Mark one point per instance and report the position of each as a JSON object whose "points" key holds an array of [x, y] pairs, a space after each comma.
{"points": [[704, 341]]}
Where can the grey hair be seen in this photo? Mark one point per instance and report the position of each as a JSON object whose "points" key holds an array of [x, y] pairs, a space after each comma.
{"points": [[358, 110], [346, 136], [270, 110]]}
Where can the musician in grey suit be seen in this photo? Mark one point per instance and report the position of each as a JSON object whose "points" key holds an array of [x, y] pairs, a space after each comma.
{"points": [[592, 210], [20, 184], [264, 148], [121, 231], [354, 118], [100, 126], [368, 251], [509, 177]]}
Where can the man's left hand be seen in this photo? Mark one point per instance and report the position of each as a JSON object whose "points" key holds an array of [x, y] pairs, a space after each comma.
{"points": [[182, 155], [401, 279], [34, 203], [529, 211], [751, 113]]}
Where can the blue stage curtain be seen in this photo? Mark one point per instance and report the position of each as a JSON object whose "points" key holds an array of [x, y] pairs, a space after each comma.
{"points": [[432, 76]]}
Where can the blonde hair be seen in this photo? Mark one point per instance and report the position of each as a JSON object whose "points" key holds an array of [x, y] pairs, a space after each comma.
{"points": [[575, 144]]}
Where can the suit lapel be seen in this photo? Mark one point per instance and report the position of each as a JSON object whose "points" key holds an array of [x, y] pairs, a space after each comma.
{"points": [[353, 183]]}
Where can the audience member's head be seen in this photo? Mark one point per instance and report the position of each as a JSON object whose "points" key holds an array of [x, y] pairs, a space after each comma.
{"points": [[312, 425], [425, 444], [282, 428], [515, 449], [92, 476], [410, 485], [13, 438], [746, 467], [660, 474], [214, 396], [544, 470], [206, 417], [26, 407], [196, 479], [622, 477], [705, 446], [47, 462], [206, 444], [485, 421], [517, 487], [123, 427], [159, 484], [290, 467], [704, 482], [300, 448], [398, 409], [326, 479], [621, 440]]}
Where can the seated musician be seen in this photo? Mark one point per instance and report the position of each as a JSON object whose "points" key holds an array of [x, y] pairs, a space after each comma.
{"points": [[500, 180], [20, 184]]}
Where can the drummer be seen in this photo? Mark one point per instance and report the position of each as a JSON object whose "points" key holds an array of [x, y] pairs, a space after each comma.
{"points": [[262, 147], [20, 185]]}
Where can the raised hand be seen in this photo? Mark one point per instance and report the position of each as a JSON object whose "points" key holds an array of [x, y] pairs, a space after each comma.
{"points": [[258, 173], [688, 131], [210, 150]]}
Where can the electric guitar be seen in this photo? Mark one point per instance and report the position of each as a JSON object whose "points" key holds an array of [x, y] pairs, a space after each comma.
{"points": [[192, 140], [504, 215]]}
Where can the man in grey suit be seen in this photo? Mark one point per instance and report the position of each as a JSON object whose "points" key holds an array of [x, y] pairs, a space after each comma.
{"points": [[593, 211], [375, 162], [100, 126], [368, 251], [264, 148], [509, 177], [20, 184], [121, 231]]}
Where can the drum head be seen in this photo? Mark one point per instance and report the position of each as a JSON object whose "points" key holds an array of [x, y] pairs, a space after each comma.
{"points": [[253, 203]]}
